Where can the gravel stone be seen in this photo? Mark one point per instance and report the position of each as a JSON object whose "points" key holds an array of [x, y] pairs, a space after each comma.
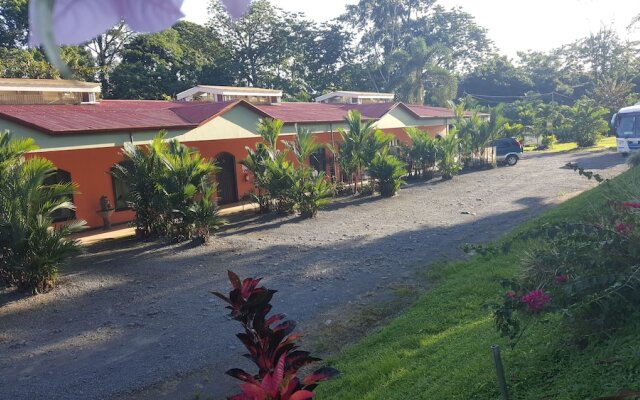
{"points": [[107, 337]]}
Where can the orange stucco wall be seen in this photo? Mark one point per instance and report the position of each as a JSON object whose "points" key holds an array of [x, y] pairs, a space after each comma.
{"points": [[89, 168]]}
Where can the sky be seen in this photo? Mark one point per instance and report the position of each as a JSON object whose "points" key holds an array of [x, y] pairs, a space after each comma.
{"points": [[513, 25]]}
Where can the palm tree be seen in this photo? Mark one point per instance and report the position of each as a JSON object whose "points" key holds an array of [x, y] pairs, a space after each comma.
{"points": [[30, 250], [415, 66], [423, 151], [353, 147], [447, 155], [143, 174], [304, 146]]}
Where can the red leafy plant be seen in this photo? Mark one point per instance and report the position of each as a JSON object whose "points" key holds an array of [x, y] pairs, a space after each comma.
{"points": [[271, 344]]}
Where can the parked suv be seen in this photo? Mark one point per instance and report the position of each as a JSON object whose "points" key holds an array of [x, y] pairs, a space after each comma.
{"points": [[508, 150]]}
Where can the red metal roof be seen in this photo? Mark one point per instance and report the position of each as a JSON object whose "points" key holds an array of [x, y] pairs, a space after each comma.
{"points": [[196, 113], [106, 116], [136, 115], [429, 111], [304, 112]]}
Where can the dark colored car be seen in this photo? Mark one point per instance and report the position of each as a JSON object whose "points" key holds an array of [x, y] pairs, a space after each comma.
{"points": [[508, 150]]}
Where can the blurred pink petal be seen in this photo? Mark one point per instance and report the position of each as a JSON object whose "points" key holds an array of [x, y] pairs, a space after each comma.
{"points": [[236, 8], [77, 21]]}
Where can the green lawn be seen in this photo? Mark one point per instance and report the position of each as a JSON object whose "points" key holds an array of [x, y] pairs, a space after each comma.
{"points": [[440, 348], [608, 142]]}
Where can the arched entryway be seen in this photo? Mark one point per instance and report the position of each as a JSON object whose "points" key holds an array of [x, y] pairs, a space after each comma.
{"points": [[226, 178], [61, 176]]}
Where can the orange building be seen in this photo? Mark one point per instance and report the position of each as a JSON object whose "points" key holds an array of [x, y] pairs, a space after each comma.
{"points": [[84, 136]]}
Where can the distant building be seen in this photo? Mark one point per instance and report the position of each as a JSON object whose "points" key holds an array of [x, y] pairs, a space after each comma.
{"points": [[83, 135]]}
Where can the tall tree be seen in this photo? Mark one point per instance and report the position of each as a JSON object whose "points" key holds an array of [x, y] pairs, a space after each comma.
{"points": [[389, 28], [414, 67], [496, 80], [166, 63], [107, 51], [14, 20], [261, 42]]}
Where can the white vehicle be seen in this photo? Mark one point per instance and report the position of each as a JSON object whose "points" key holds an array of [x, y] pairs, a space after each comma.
{"points": [[627, 125]]}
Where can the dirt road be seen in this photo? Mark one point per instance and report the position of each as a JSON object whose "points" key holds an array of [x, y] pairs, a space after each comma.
{"points": [[125, 319]]}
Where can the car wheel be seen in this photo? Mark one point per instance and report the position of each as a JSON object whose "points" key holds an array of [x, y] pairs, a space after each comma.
{"points": [[511, 160]]}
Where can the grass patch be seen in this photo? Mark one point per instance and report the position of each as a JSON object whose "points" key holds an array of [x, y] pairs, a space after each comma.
{"points": [[608, 142], [440, 347]]}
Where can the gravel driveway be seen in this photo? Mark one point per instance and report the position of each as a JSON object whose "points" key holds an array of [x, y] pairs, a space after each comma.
{"points": [[128, 318]]}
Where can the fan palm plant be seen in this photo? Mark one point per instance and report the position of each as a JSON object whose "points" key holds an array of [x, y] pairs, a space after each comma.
{"points": [[30, 250]]}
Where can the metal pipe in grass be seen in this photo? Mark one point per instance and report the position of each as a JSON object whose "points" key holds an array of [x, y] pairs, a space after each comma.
{"points": [[502, 381]]}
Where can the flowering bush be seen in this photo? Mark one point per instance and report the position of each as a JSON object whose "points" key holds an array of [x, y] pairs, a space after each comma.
{"points": [[590, 273]]}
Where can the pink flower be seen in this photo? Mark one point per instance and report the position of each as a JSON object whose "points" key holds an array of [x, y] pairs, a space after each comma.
{"points": [[536, 300], [236, 8], [562, 278], [623, 228], [511, 294], [77, 21], [631, 204]]}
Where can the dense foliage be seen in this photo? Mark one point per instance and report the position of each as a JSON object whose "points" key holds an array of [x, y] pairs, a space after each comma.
{"points": [[420, 50], [271, 343], [31, 251], [279, 181], [587, 271], [172, 190]]}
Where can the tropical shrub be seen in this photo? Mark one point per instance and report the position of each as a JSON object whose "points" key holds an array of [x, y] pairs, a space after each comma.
{"points": [[358, 145], [311, 192], [448, 164], [388, 172], [31, 251], [271, 345], [187, 177], [587, 272], [143, 174], [475, 133], [549, 141], [172, 190], [587, 122], [423, 152]]}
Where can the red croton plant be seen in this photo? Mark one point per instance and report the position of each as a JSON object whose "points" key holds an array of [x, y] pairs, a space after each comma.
{"points": [[272, 347]]}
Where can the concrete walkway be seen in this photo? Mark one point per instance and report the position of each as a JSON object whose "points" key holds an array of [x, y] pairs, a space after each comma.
{"points": [[124, 231]]}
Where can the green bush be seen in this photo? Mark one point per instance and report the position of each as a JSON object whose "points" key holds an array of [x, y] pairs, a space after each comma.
{"points": [[448, 164], [311, 192], [423, 152], [587, 272], [587, 122], [388, 172], [31, 251], [548, 141], [288, 186], [172, 190]]}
